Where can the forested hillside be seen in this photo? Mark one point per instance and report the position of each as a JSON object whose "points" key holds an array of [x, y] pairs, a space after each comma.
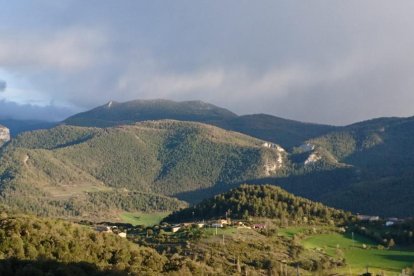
{"points": [[86, 171], [264, 201], [365, 167], [115, 113], [381, 153], [287, 133], [34, 246]]}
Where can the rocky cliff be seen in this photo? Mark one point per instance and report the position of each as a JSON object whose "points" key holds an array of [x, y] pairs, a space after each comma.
{"points": [[4, 135]]}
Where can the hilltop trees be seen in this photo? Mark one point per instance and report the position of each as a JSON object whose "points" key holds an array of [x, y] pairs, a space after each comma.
{"points": [[32, 239], [261, 201]]}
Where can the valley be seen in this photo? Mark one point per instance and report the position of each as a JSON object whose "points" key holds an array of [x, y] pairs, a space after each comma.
{"points": [[148, 177]]}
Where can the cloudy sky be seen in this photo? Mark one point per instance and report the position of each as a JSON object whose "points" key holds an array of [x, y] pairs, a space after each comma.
{"points": [[328, 61]]}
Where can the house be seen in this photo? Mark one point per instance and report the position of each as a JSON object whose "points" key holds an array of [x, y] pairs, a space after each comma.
{"points": [[367, 218], [259, 226], [389, 223], [200, 225], [175, 228], [224, 221], [122, 234]]}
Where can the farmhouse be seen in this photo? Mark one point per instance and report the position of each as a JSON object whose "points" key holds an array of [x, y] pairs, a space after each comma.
{"points": [[367, 218], [122, 234], [200, 225], [259, 226], [175, 228]]}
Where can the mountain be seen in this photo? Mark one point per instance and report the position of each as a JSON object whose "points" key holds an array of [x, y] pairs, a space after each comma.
{"points": [[95, 172], [18, 126], [287, 133], [264, 201], [115, 113], [365, 167], [380, 153]]}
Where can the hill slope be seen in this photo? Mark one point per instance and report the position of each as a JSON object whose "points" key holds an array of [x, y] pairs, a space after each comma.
{"points": [[381, 153], [259, 201], [31, 245], [78, 171], [287, 133]]}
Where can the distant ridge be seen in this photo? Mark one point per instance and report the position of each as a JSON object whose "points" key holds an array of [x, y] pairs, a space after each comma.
{"points": [[18, 126], [287, 133], [115, 113]]}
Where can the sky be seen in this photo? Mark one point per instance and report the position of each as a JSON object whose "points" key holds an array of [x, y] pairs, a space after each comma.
{"points": [[333, 62]]}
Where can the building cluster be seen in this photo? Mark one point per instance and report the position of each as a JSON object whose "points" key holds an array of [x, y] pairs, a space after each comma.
{"points": [[218, 223], [110, 229], [388, 221]]}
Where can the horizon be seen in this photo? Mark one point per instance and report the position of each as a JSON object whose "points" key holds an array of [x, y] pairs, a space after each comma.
{"points": [[194, 100]]}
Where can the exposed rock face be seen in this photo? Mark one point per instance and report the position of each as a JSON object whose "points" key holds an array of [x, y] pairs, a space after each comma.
{"points": [[314, 157], [4, 135]]}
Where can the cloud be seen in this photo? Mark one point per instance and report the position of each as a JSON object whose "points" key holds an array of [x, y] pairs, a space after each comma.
{"points": [[331, 62], [63, 50], [17, 111], [3, 85]]}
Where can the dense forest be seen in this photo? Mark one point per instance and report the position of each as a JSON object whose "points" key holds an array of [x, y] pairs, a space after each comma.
{"points": [[115, 113], [33, 245], [66, 170], [61, 170], [260, 201]]}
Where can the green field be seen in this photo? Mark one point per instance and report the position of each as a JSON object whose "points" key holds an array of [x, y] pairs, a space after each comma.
{"points": [[146, 219], [289, 232], [222, 231], [358, 258]]}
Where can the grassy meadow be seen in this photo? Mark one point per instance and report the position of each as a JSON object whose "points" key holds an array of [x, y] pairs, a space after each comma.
{"points": [[391, 261]]}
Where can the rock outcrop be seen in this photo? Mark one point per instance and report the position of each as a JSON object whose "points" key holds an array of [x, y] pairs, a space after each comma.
{"points": [[4, 135]]}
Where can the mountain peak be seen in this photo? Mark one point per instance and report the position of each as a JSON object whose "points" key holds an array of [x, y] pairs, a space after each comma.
{"points": [[114, 113]]}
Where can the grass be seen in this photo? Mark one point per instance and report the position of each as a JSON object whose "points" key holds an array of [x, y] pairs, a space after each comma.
{"points": [[289, 232], [222, 231], [146, 219], [358, 258]]}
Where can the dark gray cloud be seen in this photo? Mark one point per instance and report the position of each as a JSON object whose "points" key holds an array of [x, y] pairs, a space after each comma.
{"points": [[32, 112], [3, 85], [326, 61]]}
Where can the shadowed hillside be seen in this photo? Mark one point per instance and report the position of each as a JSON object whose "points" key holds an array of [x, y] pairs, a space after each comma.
{"points": [[115, 113], [87, 171], [287, 133]]}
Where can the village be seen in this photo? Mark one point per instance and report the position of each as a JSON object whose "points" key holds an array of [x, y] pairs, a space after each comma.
{"points": [[121, 229], [124, 229]]}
